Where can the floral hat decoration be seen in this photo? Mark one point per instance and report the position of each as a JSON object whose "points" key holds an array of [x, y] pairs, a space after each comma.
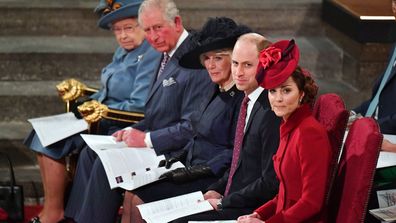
{"points": [[113, 10], [277, 63]]}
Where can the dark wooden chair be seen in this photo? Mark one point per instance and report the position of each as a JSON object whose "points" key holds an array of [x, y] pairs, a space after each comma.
{"points": [[93, 111]]}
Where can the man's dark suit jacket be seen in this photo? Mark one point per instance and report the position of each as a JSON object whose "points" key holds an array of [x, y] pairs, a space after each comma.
{"points": [[172, 100], [387, 122], [170, 105], [254, 181], [386, 103]]}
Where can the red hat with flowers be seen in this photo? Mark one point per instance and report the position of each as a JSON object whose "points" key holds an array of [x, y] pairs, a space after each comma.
{"points": [[277, 63]]}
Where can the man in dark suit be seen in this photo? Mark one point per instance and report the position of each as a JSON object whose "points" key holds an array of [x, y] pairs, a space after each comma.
{"points": [[383, 109], [251, 179], [174, 95], [381, 106]]}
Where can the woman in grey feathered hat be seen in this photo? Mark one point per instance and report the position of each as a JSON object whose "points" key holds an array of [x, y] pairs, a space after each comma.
{"points": [[125, 85]]}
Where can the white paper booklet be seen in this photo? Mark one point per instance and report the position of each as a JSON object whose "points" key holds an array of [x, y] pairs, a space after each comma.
{"points": [[166, 210], [386, 198], [387, 214], [51, 129], [387, 205], [391, 138], [127, 167], [387, 159]]}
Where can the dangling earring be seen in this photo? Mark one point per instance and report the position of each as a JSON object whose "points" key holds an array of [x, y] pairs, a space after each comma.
{"points": [[300, 101]]}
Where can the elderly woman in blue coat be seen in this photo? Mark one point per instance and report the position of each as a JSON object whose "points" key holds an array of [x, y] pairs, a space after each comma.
{"points": [[124, 86]]}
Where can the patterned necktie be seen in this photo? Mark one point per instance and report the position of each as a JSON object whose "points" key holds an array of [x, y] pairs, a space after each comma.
{"points": [[374, 102], [164, 61], [239, 133]]}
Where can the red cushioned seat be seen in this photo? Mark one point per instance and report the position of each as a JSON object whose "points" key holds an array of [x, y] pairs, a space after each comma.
{"points": [[354, 178], [330, 111]]}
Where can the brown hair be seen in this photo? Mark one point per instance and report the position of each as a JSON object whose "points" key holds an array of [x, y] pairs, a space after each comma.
{"points": [[306, 84]]}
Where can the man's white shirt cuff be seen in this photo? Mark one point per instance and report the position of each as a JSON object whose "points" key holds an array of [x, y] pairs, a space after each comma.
{"points": [[147, 140]]}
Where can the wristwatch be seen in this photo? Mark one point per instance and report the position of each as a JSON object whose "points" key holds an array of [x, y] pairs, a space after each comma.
{"points": [[219, 205]]}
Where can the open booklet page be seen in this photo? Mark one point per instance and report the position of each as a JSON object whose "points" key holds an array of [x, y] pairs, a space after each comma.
{"points": [[387, 159], [166, 210], [127, 167], [391, 138], [387, 205], [51, 129], [387, 214]]}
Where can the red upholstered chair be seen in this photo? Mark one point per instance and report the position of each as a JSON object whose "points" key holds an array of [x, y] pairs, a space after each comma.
{"points": [[330, 111], [354, 178]]}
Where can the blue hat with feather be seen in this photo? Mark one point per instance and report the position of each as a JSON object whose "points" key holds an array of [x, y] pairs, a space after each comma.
{"points": [[114, 10]]}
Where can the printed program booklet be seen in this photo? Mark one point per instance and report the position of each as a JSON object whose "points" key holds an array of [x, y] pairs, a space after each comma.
{"points": [[387, 206], [167, 210], [387, 214], [127, 167], [51, 129], [387, 159]]}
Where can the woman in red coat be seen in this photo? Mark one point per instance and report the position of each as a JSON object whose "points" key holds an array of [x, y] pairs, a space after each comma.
{"points": [[303, 158]]}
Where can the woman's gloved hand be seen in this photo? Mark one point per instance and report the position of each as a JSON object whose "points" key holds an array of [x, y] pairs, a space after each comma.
{"points": [[186, 174]]}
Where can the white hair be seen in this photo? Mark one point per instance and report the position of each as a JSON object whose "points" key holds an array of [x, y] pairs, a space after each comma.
{"points": [[167, 7]]}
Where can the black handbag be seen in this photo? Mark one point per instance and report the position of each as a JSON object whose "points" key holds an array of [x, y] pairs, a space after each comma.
{"points": [[11, 196]]}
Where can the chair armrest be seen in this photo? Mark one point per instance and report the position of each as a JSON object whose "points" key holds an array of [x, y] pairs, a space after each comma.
{"points": [[71, 89], [93, 111], [123, 116]]}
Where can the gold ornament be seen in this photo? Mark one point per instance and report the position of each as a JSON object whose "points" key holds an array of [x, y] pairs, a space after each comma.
{"points": [[70, 89], [92, 111]]}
